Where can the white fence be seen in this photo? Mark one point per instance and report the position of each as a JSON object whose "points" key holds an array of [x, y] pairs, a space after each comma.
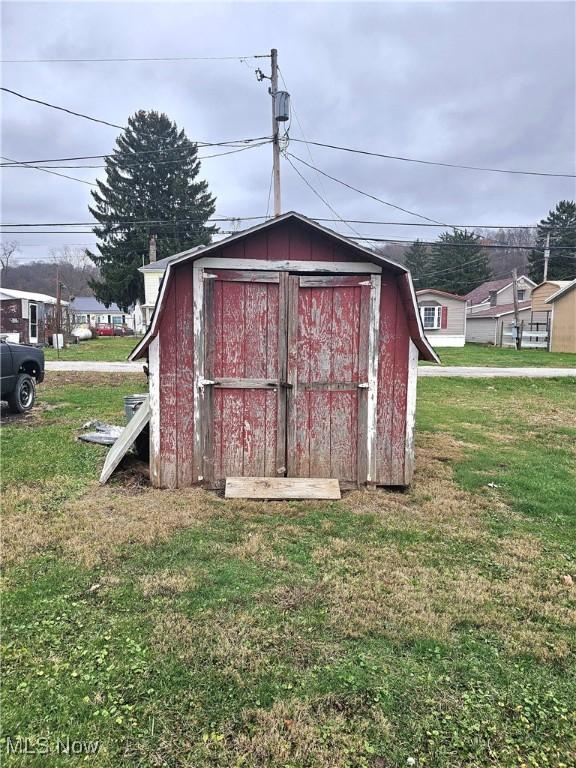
{"points": [[532, 335]]}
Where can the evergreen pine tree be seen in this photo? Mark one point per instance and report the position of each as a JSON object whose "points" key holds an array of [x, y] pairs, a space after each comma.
{"points": [[458, 263], [561, 225], [151, 176], [417, 259]]}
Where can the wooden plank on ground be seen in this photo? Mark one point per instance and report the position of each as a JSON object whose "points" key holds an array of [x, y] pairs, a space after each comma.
{"points": [[282, 488], [126, 439]]}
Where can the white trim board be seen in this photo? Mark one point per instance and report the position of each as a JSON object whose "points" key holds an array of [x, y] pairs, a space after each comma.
{"points": [[154, 390], [373, 358], [327, 267], [410, 412]]}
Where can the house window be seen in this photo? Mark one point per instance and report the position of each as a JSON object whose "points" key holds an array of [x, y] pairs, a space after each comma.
{"points": [[430, 317], [521, 294]]}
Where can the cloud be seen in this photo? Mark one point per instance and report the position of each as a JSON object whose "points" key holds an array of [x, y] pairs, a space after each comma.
{"points": [[475, 83]]}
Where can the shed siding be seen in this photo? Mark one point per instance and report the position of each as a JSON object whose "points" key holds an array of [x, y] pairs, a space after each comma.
{"points": [[176, 384], [392, 386], [564, 323]]}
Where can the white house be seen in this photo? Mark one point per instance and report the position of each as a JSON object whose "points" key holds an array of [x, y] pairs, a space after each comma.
{"points": [[153, 274]]}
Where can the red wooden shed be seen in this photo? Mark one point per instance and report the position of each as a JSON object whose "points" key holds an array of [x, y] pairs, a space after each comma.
{"points": [[283, 350]]}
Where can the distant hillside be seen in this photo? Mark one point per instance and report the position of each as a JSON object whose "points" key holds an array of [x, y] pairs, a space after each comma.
{"points": [[40, 277]]}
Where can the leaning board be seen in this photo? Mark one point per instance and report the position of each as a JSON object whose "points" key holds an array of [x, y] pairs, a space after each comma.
{"points": [[282, 488], [126, 439]]}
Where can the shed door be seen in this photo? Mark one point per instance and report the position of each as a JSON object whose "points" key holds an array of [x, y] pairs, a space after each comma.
{"points": [[332, 341], [245, 371]]}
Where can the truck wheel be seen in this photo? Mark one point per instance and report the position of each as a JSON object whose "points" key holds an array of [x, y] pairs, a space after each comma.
{"points": [[24, 393]]}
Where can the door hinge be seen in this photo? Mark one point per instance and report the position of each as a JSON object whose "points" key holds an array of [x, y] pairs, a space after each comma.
{"points": [[363, 385]]}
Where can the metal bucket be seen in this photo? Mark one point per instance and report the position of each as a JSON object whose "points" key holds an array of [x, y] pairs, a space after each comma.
{"points": [[131, 405]]}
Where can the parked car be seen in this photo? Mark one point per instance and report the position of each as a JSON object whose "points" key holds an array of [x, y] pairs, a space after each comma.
{"points": [[103, 330], [123, 330], [22, 367]]}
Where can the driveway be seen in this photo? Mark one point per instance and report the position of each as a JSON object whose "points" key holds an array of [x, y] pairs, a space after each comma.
{"points": [[433, 370]]}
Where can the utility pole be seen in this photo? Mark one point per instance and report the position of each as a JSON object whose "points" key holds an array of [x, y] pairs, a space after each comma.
{"points": [[56, 337], [275, 134], [546, 257], [516, 310]]}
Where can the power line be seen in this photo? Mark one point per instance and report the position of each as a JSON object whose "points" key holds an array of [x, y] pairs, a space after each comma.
{"points": [[137, 222], [374, 222], [462, 245], [319, 196], [506, 273], [367, 238], [142, 59], [54, 173], [366, 194], [63, 109], [293, 110], [438, 163], [200, 144], [136, 165]]}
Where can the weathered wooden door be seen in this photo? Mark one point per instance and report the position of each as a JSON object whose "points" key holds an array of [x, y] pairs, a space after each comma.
{"points": [[332, 322], [245, 371], [289, 376]]}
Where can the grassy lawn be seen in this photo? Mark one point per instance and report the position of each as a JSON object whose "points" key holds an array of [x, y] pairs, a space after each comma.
{"points": [[111, 349], [177, 629], [480, 354]]}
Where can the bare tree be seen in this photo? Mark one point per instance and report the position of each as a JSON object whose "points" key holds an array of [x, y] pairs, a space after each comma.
{"points": [[503, 259], [74, 255], [8, 249]]}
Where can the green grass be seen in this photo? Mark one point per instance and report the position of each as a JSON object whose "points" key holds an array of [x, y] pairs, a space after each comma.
{"points": [[304, 634], [486, 355], [110, 349]]}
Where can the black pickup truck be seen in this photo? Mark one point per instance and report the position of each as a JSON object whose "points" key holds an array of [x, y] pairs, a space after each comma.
{"points": [[21, 367]]}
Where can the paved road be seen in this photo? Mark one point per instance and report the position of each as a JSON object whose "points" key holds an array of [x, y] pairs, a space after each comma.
{"points": [[432, 370], [485, 372], [92, 366]]}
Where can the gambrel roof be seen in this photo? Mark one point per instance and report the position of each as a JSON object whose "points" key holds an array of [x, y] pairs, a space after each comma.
{"points": [[414, 321]]}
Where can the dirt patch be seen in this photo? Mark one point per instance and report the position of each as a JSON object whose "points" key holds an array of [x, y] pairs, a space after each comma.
{"points": [[326, 732], [166, 583]]}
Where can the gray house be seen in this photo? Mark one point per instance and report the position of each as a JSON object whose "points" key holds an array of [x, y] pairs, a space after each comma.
{"points": [[443, 317], [490, 310], [86, 310]]}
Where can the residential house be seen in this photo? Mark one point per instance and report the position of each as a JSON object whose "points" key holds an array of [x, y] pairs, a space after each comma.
{"points": [[29, 318], [493, 325], [563, 321], [490, 310], [443, 317], [153, 274], [497, 293], [88, 311]]}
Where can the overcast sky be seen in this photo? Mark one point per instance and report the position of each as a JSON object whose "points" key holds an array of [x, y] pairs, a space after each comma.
{"points": [[488, 83]]}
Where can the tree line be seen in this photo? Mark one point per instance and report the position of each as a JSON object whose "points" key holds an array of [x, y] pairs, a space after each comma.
{"points": [[461, 260]]}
